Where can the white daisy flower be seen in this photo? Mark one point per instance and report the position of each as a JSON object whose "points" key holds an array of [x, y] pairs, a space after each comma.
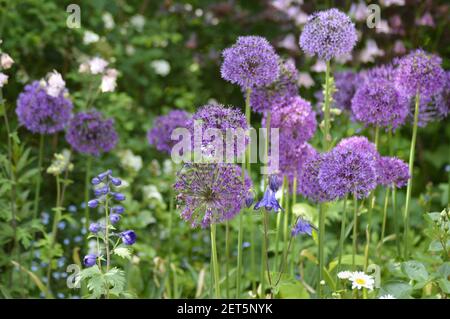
{"points": [[388, 296], [360, 280], [3, 79], [344, 274]]}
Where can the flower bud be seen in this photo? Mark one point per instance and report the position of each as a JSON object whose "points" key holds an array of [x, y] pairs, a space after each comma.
{"points": [[116, 181], [90, 260], [93, 203], [118, 209], [119, 196], [128, 237], [94, 228], [114, 218], [95, 181], [249, 199], [274, 182]]}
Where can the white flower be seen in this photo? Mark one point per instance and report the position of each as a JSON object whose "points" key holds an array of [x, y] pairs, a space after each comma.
{"points": [[388, 3], [388, 296], [371, 51], [108, 84], [383, 27], [359, 11], [54, 84], [90, 37], [130, 161], [6, 61], [84, 67], [344, 274], [161, 67], [151, 192], [304, 79], [97, 65], [3, 79], [360, 280], [108, 21], [138, 22], [319, 66]]}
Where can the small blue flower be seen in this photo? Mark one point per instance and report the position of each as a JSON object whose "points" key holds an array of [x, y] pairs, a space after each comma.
{"points": [[93, 203], [269, 201], [94, 228], [274, 182], [62, 225], [66, 241], [90, 260], [245, 244], [96, 181], [249, 199], [60, 295], [114, 218], [117, 209], [77, 239], [116, 181], [118, 196], [101, 191], [83, 205], [302, 227], [103, 175], [128, 237], [72, 208]]}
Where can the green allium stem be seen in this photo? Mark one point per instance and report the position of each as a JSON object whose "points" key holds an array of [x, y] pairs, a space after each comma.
{"points": [[87, 185], [227, 259], [215, 262], [385, 209], [342, 237], [355, 231], [322, 213], [411, 170]]}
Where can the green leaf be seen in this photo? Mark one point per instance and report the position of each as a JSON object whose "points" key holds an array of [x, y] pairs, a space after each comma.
{"points": [[415, 270], [115, 278], [399, 289], [347, 260], [292, 290], [436, 246], [444, 284], [303, 209], [123, 252]]}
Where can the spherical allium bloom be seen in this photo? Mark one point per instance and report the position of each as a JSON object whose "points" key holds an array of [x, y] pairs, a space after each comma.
{"points": [[295, 119], [227, 120], [346, 83], [308, 184], [41, 113], [420, 72], [292, 157], [302, 227], [435, 107], [160, 134], [90, 133], [263, 98], [349, 169], [128, 237], [379, 103], [392, 172], [250, 62], [90, 260], [328, 34], [210, 193]]}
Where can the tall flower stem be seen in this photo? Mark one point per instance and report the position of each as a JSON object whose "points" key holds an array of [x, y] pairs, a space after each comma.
{"points": [[278, 225], [321, 247], [266, 249], [215, 262], [289, 212], [355, 230], [411, 170], [383, 227], [87, 186], [342, 236], [227, 259], [396, 222], [170, 237], [39, 177], [372, 198], [245, 165], [327, 102], [56, 219], [108, 254]]}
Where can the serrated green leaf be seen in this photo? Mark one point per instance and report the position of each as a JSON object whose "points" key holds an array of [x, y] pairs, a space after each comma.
{"points": [[123, 252]]}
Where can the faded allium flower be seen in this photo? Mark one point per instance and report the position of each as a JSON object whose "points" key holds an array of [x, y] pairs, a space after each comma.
{"points": [[210, 193], [227, 120], [419, 72], [392, 172], [41, 113], [263, 98], [377, 102], [6, 61], [349, 169], [295, 119], [328, 34], [250, 62], [163, 126], [90, 133], [3, 79]]}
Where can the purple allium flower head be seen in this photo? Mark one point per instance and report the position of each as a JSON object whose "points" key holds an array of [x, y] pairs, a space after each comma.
{"points": [[302, 227], [349, 169], [128, 237], [42, 113], [210, 193], [346, 84], [263, 98], [328, 34], [225, 119], [94, 228], [309, 178], [292, 157], [89, 133], [250, 62], [269, 201], [378, 102], [90, 260], [160, 134], [295, 119], [420, 72], [392, 172]]}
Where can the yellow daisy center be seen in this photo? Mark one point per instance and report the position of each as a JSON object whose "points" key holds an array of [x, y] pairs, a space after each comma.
{"points": [[360, 281]]}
